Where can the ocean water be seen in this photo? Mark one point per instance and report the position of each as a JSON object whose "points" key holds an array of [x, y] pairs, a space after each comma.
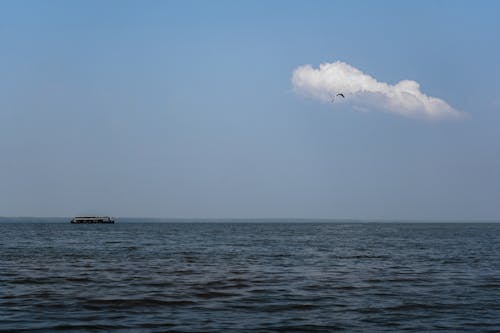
{"points": [[249, 277]]}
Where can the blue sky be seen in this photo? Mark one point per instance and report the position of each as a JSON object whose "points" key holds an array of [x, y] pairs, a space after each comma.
{"points": [[187, 109]]}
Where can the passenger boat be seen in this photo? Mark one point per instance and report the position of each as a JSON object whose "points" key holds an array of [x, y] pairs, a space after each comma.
{"points": [[92, 219]]}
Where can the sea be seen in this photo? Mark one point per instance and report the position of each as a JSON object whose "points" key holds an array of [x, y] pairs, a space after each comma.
{"points": [[249, 276]]}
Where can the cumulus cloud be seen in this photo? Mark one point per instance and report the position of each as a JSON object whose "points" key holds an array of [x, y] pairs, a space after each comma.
{"points": [[366, 93]]}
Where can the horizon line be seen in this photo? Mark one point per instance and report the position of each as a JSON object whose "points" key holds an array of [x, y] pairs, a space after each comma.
{"points": [[290, 219]]}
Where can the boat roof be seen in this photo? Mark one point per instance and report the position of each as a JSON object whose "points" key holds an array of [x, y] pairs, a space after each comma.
{"points": [[91, 217]]}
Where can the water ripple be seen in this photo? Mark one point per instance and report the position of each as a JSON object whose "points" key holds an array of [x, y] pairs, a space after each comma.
{"points": [[276, 277]]}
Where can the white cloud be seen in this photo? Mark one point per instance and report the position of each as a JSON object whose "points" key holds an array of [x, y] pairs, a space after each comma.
{"points": [[366, 93]]}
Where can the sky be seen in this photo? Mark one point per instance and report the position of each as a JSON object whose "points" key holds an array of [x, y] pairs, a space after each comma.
{"points": [[221, 109]]}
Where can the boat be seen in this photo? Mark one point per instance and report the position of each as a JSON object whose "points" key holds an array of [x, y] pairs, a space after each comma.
{"points": [[92, 219]]}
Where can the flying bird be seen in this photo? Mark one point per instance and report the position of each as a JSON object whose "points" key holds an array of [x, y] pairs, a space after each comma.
{"points": [[332, 98]]}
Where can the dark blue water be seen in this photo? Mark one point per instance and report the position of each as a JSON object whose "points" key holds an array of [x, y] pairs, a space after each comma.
{"points": [[255, 277]]}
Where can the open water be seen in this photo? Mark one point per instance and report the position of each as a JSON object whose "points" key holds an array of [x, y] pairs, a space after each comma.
{"points": [[249, 277]]}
